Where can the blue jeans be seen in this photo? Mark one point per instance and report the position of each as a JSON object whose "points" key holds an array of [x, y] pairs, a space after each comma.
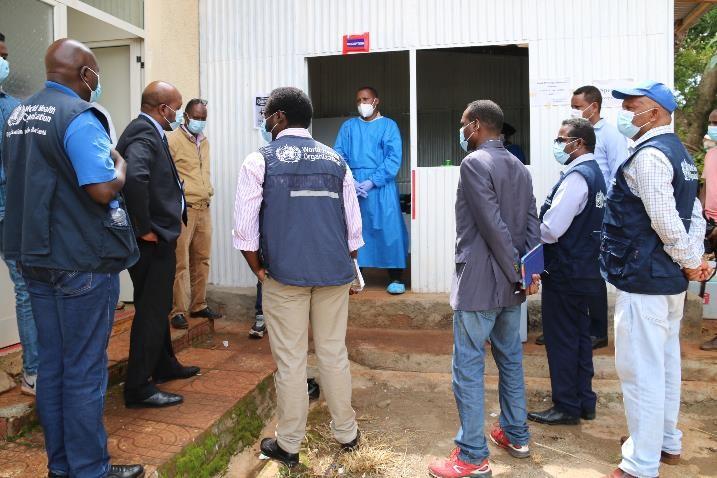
{"points": [[25, 321], [74, 312], [470, 332]]}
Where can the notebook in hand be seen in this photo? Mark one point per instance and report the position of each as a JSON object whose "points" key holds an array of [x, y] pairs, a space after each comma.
{"points": [[531, 263]]}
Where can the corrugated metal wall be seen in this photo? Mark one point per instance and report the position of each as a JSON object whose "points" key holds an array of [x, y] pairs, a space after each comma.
{"points": [[251, 46]]}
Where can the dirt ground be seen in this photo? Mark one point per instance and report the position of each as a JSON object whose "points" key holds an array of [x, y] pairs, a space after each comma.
{"points": [[406, 419]]}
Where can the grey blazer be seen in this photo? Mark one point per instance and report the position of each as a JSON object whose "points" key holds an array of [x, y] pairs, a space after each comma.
{"points": [[496, 223]]}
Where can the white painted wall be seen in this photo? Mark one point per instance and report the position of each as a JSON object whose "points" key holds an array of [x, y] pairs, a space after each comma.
{"points": [[255, 45]]}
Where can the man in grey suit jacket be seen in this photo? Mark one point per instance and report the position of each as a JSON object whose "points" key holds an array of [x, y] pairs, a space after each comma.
{"points": [[496, 223]]}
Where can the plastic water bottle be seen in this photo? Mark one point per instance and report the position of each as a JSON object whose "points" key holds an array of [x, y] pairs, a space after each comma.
{"points": [[118, 217]]}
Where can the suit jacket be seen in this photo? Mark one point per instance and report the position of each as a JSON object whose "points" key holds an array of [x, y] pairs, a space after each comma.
{"points": [[496, 223], [153, 190]]}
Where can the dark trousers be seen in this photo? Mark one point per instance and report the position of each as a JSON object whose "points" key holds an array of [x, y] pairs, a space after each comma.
{"points": [[395, 275], [258, 306], [150, 348], [597, 309], [74, 312], [566, 327]]}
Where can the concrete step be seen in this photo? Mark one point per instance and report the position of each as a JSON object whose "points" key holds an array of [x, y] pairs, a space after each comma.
{"points": [[224, 410], [17, 411], [378, 309], [430, 351]]}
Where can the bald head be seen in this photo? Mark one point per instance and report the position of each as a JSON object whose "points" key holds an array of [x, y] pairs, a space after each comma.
{"points": [[161, 101], [72, 64]]}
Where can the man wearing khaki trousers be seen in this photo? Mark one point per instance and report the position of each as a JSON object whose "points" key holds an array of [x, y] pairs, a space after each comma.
{"points": [[190, 151], [296, 202]]}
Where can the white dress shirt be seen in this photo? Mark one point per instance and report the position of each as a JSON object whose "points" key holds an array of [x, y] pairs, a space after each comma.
{"points": [[649, 177], [569, 201]]}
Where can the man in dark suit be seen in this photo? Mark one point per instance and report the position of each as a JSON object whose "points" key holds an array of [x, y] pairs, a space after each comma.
{"points": [[157, 208], [496, 223]]}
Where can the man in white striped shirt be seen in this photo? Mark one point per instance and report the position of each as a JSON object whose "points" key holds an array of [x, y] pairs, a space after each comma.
{"points": [[651, 246]]}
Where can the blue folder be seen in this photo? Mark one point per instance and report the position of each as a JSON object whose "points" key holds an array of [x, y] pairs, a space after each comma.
{"points": [[531, 263]]}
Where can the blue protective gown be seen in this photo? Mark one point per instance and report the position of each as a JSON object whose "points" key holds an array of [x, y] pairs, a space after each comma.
{"points": [[372, 150]]}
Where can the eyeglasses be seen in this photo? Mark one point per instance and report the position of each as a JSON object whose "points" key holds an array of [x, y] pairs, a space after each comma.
{"points": [[564, 139]]}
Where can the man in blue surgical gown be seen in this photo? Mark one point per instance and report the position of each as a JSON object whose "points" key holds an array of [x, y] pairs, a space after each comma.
{"points": [[371, 145]]}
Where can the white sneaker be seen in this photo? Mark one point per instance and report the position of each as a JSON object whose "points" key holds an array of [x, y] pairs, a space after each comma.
{"points": [[29, 383]]}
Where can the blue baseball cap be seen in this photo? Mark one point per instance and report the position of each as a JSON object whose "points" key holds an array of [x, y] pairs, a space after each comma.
{"points": [[657, 92]]}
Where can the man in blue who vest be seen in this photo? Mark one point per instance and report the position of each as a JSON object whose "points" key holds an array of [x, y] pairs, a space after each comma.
{"points": [[371, 145], [71, 238], [570, 225], [652, 244]]}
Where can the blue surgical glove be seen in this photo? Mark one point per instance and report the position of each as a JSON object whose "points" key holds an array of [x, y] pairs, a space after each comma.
{"points": [[361, 193], [356, 185], [366, 186]]}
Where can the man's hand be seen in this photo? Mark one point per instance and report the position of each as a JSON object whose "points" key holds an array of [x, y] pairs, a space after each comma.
{"points": [[535, 286], [150, 237], [260, 274], [701, 273]]}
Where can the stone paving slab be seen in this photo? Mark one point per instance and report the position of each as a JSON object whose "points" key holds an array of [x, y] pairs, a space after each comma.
{"points": [[156, 437]]}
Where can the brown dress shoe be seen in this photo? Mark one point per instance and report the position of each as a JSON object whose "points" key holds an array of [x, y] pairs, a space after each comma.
{"points": [[710, 345], [618, 473], [665, 457]]}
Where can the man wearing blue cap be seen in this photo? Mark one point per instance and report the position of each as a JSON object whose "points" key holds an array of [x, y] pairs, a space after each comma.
{"points": [[651, 246]]}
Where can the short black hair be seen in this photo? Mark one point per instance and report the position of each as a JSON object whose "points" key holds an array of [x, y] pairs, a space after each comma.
{"points": [[2, 37], [369, 88], [591, 93], [193, 102], [487, 112], [583, 129], [293, 102]]}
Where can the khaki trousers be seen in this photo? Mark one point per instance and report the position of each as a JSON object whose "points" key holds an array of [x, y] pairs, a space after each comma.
{"points": [[194, 248], [288, 311]]}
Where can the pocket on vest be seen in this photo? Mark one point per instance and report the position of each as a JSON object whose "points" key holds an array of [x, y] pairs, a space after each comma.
{"points": [[119, 241], [615, 255]]}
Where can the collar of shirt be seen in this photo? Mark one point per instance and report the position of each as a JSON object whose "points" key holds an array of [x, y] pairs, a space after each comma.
{"points": [[194, 139], [300, 132], [578, 160], [63, 88], [601, 122], [654, 132], [378, 117], [154, 122]]}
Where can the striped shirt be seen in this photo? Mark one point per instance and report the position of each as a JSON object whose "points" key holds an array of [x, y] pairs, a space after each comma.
{"points": [[249, 195]]}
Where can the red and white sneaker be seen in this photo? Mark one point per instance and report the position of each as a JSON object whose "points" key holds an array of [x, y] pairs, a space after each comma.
{"points": [[454, 467], [497, 436]]}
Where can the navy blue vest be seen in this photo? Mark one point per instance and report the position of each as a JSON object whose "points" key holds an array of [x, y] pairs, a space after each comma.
{"points": [[304, 239], [632, 256], [575, 255], [50, 221]]}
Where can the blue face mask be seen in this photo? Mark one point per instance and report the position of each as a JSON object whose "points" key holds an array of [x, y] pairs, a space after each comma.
{"points": [[97, 92], [265, 133], [178, 115], [712, 132], [4, 70], [463, 140], [559, 151], [624, 122], [196, 126]]}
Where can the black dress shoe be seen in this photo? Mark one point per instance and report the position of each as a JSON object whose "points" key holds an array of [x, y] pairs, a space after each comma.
{"points": [[353, 444], [553, 416], [313, 389], [180, 374], [588, 415], [270, 448], [598, 343], [206, 313], [126, 471], [157, 400], [540, 339], [179, 322]]}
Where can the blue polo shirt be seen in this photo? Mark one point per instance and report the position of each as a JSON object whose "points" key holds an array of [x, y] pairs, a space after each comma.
{"points": [[88, 145]]}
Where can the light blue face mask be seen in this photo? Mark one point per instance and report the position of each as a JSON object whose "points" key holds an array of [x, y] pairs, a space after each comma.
{"points": [[712, 132], [178, 116], [266, 134], [196, 126], [97, 92], [4, 70], [559, 151], [624, 122], [464, 141]]}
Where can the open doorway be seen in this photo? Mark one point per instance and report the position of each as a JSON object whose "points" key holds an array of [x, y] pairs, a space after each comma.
{"points": [[333, 81], [448, 79]]}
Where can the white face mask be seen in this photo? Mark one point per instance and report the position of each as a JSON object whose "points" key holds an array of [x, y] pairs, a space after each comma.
{"points": [[366, 109]]}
